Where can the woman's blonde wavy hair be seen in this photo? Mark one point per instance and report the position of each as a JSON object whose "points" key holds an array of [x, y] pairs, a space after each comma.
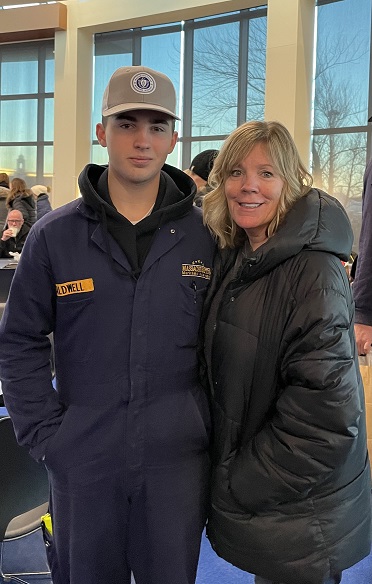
{"points": [[285, 157]]}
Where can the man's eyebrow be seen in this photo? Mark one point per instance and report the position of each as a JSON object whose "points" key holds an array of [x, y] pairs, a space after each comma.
{"points": [[156, 120], [160, 121]]}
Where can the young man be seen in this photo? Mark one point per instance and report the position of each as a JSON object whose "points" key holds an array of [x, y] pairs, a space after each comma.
{"points": [[119, 277]]}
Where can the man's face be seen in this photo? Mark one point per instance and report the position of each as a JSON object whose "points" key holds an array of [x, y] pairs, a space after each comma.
{"points": [[15, 219], [138, 143]]}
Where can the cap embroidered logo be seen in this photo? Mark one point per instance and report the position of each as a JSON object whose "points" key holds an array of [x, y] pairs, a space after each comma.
{"points": [[143, 83]]}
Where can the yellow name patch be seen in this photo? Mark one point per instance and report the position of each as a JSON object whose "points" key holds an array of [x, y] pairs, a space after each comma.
{"points": [[75, 287], [197, 270]]}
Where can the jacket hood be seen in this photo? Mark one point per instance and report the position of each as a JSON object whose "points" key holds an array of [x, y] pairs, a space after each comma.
{"points": [[178, 198], [27, 199], [316, 222]]}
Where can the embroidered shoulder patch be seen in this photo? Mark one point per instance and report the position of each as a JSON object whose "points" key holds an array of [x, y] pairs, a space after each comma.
{"points": [[75, 287], [196, 269]]}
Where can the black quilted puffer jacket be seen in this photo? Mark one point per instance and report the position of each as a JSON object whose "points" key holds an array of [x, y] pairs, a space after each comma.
{"points": [[291, 481]]}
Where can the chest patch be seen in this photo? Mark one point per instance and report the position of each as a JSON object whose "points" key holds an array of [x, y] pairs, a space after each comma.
{"points": [[75, 287], [196, 269]]}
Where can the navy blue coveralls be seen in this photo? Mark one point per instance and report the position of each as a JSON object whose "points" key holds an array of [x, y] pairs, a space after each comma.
{"points": [[125, 436]]}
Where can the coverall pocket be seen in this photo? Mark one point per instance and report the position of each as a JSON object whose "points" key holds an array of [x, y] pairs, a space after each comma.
{"points": [[75, 329], [191, 299]]}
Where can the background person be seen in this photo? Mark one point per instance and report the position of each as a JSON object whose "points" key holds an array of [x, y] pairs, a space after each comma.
{"points": [[4, 180], [14, 235], [23, 199], [4, 192], [119, 276], [362, 285], [43, 205], [291, 478], [199, 171]]}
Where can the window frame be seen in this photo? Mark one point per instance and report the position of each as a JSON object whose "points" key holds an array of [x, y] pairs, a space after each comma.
{"points": [[43, 51]]}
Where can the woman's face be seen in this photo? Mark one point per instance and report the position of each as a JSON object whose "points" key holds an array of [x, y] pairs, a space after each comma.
{"points": [[253, 191]]}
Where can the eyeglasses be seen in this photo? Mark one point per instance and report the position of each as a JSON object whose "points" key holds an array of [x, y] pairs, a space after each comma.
{"points": [[14, 221]]}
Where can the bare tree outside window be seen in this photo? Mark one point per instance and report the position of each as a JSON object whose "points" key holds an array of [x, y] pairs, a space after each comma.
{"points": [[340, 109], [218, 55]]}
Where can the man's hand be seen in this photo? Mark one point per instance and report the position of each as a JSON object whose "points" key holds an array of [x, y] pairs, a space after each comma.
{"points": [[7, 233], [363, 337]]}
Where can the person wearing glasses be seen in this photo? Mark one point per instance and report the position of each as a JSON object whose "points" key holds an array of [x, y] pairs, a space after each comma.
{"points": [[14, 234]]}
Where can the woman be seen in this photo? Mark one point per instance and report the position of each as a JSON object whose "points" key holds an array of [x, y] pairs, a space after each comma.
{"points": [[291, 481], [23, 199]]}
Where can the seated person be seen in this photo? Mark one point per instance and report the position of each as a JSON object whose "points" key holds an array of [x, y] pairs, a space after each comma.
{"points": [[14, 234]]}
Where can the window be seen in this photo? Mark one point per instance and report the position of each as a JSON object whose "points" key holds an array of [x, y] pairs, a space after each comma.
{"points": [[26, 111], [217, 65], [342, 103]]}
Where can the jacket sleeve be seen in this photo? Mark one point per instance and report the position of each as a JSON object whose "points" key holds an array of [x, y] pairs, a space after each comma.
{"points": [[25, 349], [313, 426]]}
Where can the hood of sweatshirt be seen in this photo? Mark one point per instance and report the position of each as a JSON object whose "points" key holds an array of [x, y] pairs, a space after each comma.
{"points": [[174, 199], [175, 196]]}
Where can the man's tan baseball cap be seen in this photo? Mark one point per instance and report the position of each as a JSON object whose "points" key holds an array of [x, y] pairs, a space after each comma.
{"points": [[137, 87]]}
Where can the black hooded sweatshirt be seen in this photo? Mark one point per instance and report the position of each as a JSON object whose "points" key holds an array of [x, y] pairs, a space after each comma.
{"points": [[174, 199]]}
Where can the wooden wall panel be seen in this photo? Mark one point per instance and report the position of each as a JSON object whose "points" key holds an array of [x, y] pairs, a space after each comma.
{"points": [[32, 22]]}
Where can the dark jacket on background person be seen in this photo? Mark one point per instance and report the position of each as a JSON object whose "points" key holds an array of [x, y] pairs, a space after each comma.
{"points": [[27, 206], [43, 205], [4, 192], [14, 244], [291, 486], [362, 285]]}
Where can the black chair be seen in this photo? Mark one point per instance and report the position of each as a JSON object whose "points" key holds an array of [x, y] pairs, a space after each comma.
{"points": [[24, 492], [6, 277]]}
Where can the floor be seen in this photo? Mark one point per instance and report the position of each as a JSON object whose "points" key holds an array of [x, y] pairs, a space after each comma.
{"points": [[212, 569]]}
